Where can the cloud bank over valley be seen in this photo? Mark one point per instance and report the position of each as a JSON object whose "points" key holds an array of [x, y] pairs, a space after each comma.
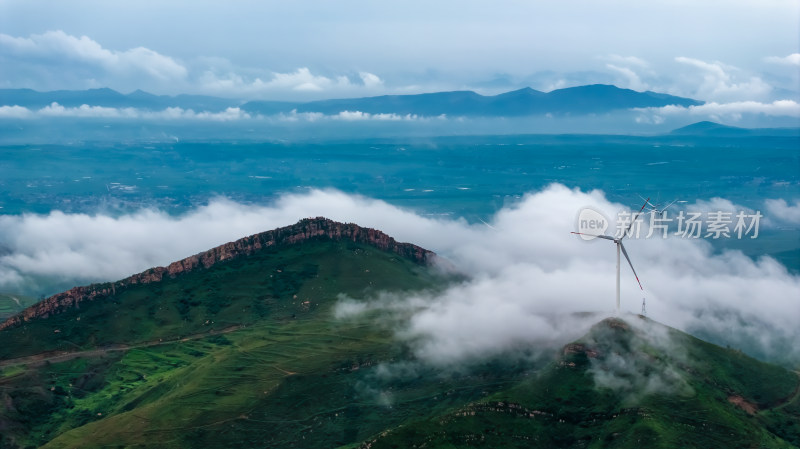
{"points": [[526, 272]]}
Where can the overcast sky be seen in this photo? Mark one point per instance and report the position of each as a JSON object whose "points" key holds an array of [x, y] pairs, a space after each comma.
{"points": [[731, 50]]}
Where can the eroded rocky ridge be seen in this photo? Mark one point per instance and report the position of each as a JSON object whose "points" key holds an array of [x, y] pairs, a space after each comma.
{"points": [[304, 230]]}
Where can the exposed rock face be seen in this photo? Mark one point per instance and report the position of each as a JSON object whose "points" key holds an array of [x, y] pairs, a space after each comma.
{"points": [[304, 230], [577, 348]]}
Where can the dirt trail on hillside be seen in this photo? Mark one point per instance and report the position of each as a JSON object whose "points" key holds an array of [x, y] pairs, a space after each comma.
{"points": [[791, 399], [52, 357]]}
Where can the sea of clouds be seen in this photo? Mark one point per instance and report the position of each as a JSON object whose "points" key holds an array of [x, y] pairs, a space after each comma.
{"points": [[527, 275]]}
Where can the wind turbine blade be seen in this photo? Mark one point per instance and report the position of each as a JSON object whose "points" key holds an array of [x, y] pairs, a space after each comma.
{"points": [[622, 247], [594, 235], [668, 205], [487, 224], [646, 202]]}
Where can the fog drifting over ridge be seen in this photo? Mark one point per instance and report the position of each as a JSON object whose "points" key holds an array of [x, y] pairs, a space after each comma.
{"points": [[524, 266]]}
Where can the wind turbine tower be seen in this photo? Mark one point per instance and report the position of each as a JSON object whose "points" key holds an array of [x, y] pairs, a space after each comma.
{"points": [[621, 248]]}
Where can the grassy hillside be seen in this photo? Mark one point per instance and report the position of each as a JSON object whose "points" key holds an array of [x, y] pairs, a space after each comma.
{"points": [[287, 284], [247, 353], [12, 303]]}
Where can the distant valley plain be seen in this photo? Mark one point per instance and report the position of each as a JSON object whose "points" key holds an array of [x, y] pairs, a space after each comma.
{"points": [[469, 176]]}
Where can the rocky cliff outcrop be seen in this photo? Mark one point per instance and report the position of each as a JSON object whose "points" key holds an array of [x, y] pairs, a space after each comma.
{"points": [[308, 229]]}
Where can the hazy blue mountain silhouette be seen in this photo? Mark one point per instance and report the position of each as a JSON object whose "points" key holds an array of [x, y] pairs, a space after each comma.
{"points": [[593, 99], [110, 98], [581, 100], [713, 129]]}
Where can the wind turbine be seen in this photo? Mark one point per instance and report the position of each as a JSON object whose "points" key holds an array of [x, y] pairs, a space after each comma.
{"points": [[656, 208], [621, 247]]}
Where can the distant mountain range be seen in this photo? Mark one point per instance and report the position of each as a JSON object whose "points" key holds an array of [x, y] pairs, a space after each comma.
{"points": [[712, 129], [111, 99], [594, 99], [581, 100]]}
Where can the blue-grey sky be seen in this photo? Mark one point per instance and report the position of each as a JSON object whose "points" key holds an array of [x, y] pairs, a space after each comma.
{"points": [[718, 50]]}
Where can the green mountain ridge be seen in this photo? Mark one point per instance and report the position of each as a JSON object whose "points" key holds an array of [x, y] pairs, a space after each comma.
{"points": [[248, 352], [304, 230]]}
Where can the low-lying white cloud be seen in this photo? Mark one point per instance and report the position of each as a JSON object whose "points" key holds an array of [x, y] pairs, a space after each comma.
{"points": [[86, 111], [353, 116], [15, 112], [55, 110], [229, 114], [784, 212], [719, 111], [624, 368], [527, 274], [358, 115]]}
